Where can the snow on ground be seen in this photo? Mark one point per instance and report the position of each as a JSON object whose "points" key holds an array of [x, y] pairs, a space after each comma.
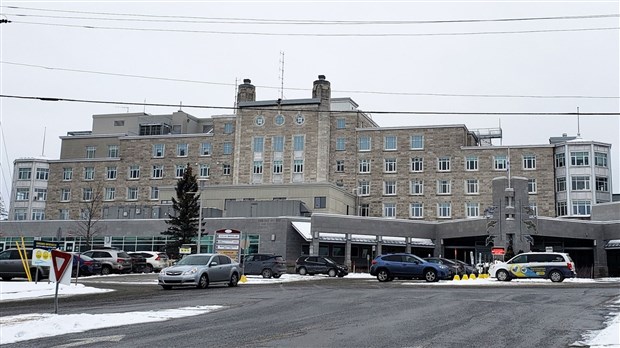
{"points": [[36, 325]]}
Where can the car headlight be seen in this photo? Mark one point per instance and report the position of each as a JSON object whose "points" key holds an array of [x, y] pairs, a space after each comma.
{"points": [[443, 267], [191, 271]]}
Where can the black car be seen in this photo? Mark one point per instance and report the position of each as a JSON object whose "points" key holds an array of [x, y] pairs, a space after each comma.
{"points": [[88, 266], [267, 265], [318, 264], [469, 269], [138, 264], [454, 267]]}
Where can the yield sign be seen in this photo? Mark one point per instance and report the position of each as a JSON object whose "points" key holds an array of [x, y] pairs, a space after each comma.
{"points": [[60, 261]]}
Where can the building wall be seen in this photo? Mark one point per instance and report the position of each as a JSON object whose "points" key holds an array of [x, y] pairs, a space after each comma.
{"points": [[23, 209]]}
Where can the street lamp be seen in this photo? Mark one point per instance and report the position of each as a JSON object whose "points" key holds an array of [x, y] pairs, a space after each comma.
{"points": [[200, 217]]}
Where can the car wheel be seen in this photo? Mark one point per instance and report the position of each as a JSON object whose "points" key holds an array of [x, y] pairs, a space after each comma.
{"points": [[6, 279], [556, 276], [266, 273], [383, 275], [106, 270], [277, 276], [167, 287], [341, 275], [430, 275], [203, 282], [331, 272], [502, 275], [148, 269], [303, 271], [234, 280]]}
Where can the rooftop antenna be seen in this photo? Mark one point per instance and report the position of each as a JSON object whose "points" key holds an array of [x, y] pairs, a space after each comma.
{"points": [[281, 75], [43, 148], [236, 93], [181, 105], [578, 128], [144, 107]]}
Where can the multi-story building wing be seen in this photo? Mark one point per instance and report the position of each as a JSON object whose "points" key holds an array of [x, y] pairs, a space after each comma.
{"points": [[29, 190]]}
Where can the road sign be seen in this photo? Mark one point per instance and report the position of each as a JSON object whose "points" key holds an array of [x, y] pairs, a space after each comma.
{"points": [[227, 242], [41, 257], [60, 261], [498, 251]]}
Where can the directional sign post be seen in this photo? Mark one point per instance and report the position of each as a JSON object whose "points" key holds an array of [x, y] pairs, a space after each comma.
{"points": [[60, 262]]}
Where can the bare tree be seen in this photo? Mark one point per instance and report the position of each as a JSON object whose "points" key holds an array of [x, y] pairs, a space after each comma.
{"points": [[91, 212]]}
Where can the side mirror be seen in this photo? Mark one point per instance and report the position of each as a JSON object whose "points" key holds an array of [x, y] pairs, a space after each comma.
{"points": [[214, 263]]}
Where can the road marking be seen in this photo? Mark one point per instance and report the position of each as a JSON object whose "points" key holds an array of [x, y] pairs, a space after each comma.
{"points": [[86, 341]]}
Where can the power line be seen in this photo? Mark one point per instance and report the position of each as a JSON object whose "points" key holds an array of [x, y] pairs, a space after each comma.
{"points": [[244, 33], [92, 101], [307, 89]]}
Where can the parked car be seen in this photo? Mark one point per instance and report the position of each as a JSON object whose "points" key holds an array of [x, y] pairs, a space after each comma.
{"points": [[200, 270], [112, 260], [402, 265], [548, 265], [455, 268], [11, 266], [156, 261], [88, 266], [267, 265], [138, 264], [469, 269], [318, 264]]}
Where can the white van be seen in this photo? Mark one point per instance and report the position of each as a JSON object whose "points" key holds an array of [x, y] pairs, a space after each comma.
{"points": [[546, 265]]}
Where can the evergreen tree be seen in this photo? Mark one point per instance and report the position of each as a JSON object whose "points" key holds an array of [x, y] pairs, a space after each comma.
{"points": [[183, 224]]}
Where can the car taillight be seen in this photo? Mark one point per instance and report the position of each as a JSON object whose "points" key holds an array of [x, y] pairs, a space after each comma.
{"points": [[120, 260], [157, 258], [570, 266], [374, 262]]}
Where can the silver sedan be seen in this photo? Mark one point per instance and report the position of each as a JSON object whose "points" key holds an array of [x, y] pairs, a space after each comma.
{"points": [[200, 270]]}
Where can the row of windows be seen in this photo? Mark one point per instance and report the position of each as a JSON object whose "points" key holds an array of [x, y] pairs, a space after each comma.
{"points": [[298, 166], [279, 119], [443, 187], [277, 143], [582, 183], [23, 194], [443, 210], [22, 214], [26, 174], [390, 143], [581, 158], [108, 194], [579, 207], [134, 172], [182, 150]]}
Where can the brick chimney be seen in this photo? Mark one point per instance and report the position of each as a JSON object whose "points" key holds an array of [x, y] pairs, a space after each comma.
{"points": [[246, 91], [321, 89]]}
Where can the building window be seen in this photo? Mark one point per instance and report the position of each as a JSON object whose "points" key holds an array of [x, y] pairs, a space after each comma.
{"points": [[529, 161], [24, 174], [560, 160], [298, 166], [158, 150], [500, 162], [65, 195], [601, 184], [89, 173], [580, 158], [259, 120], [298, 142], [340, 142], [157, 172], [259, 144], [534, 208], [389, 165], [258, 167], [278, 144], [277, 167], [299, 119], [364, 209], [364, 166], [472, 210], [363, 143], [43, 174], [203, 171], [22, 194], [21, 214], [340, 123], [389, 188], [531, 186], [205, 149], [279, 120], [416, 187], [113, 151], [179, 171], [228, 128], [111, 173], [38, 214], [339, 166], [320, 202], [389, 210], [40, 194], [389, 143], [134, 171], [110, 193], [416, 210], [561, 209], [63, 214], [182, 150], [67, 174], [581, 207], [132, 193], [227, 146], [443, 164], [226, 169], [417, 142], [471, 163], [444, 210], [471, 186], [90, 151], [444, 187], [560, 184], [600, 159], [417, 164], [364, 188], [154, 192], [580, 183], [87, 194]]}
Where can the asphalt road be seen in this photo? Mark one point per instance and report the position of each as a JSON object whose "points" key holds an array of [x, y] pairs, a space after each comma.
{"points": [[340, 313]]}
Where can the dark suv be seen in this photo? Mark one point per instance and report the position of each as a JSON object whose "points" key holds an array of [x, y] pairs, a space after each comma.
{"points": [[407, 266], [318, 264], [112, 260], [267, 265]]}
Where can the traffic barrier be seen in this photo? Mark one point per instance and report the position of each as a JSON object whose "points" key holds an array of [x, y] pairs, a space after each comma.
{"points": [[465, 277], [472, 276], [456, 277]]}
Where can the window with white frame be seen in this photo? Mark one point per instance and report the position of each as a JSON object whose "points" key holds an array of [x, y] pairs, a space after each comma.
{"points": [[43, 174], [298, 166], [581, 207], [203, 171], [298, 142], [601, 184], [364, 166], [500, 162], [154, 193], [157, 171], [364, 188], [179, 170], [21, 214], [560, 160], [389, 143], [389, 187], [472, 209], [110, 193], [340, 144], [113, 151], [90, 151], [529, 161], [226, 169], [40, 194], [416, 210], [534, 208], [561, 209], [182, 150], [416, 187], [89, 173], [22, 194], [206, 149], [580, 183], [417, 164], [259, 144], [257, 167], [417, 142], [471, 186], [531, 186], [158, 150], [87, 194], [560, 184], [443, 164], [63, 214], [132, 193], [227, 147], [67, 174], [277, 167], [24, 173], [278, 144], [38, 214], [339, 166], [471, 163], [341, 123], [134, 171], [364, 209], [444, 187], [389, 210], [363, 143], [600, 159], [580, 158], [111, 173], [65, 194], [228, 128], [389, 165], [299, 118], [444, 210]]}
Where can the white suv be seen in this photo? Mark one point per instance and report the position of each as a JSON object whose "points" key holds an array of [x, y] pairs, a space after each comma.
{"points": [[546, 265], [156, 261]]}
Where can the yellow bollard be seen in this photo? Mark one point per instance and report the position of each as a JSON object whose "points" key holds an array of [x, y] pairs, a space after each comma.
{"points": [[243, 279], [456, 277], [465, 277], [472, 276]]}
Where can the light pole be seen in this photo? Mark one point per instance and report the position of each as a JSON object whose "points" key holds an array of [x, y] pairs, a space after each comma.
{"points": [[198, 246]]}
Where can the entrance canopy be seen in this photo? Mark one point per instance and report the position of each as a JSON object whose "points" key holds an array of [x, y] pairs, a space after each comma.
{"points": [[613, 244]]}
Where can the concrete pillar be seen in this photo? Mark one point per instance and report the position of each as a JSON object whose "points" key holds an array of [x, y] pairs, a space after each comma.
{"points": [[408, 245], [315, 244], [600, 259], [438, 247], [378, 248], [347, 251]]}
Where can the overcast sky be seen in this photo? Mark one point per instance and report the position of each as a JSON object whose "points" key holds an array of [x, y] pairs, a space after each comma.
{"points": [[555, 67]]}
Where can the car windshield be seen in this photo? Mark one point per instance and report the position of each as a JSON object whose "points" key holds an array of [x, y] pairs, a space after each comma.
{"points": [[415, 258], [329, 260], [194, 260]]}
